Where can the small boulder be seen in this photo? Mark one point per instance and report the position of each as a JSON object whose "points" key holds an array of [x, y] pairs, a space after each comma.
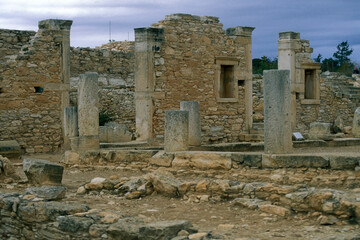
{"points": [[338, 125], [42, 172], [7, 169], [47, 192]]}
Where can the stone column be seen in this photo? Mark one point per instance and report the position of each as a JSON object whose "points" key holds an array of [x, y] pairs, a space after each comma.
{"points": [[88, 112], [194, 121], [288, 46], [70, 125], [277, 112], [147, 43], [356, 124], [176, 131]]}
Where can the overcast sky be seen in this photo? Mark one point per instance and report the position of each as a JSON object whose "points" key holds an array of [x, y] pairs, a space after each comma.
{"points": [[325, 23]]}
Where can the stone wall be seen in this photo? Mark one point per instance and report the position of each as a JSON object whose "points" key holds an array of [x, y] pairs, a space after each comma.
{"points": [[114, 62], [11, 41], [336, 100], [34, 87], [188, 53]]}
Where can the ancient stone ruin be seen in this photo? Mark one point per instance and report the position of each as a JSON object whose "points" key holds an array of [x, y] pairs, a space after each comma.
{"points": [[172, 137]]}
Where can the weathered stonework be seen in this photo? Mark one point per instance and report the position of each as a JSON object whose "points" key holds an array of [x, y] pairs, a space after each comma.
{"points": [[34, 89], [182, 58]]}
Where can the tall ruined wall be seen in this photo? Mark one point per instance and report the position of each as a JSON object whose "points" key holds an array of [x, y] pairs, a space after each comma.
{"points": [[335, 102], [11, 41], [32, 88], [115, 65], [187, 68]]}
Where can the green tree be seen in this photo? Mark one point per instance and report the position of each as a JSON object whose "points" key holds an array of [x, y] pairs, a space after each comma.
{"points": [[343, 52], [264, 63], [318, 58]]}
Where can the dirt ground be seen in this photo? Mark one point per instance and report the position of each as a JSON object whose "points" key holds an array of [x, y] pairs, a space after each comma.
{"points": [[219, 218]]}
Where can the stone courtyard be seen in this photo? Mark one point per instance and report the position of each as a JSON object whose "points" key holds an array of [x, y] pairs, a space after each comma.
{"points": [[194, 147]]}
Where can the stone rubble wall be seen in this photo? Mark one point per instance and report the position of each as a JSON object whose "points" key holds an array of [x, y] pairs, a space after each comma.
{"points": [[29, 117], [332, 103], [185, 70], [114, 62], [11, 41], [23, 217]]}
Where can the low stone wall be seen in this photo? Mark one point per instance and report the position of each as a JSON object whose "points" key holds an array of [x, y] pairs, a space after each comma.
{"points": [[24, 218]]}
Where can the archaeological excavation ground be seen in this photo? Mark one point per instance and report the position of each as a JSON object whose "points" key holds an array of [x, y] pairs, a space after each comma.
{"points": [[172, 137]]}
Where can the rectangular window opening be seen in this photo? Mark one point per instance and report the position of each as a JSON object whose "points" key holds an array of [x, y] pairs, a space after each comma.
{"points": [[227, 81], [38, 89], [241, 83], [1, 91], [297, 95], [310, 84]]}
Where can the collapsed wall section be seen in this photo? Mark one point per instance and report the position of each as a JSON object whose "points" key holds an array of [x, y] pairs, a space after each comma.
{"points": [[34, 88]]}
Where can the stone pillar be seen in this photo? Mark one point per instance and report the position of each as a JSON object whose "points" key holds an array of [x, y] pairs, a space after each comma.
{"points": [[244, 35], [277, 109], [356, 124], [88, 112], [194, 121], [147, 43], [288, 46], [61, 28], [70, 125], [176, 131]]}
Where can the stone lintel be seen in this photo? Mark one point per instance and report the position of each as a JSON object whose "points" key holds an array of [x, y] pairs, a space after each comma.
{"points": [[315, 65], [148, 33], [289, 36], [240, 31], [55, 24]]}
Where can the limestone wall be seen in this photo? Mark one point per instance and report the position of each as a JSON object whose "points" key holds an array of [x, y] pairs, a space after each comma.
{"points": [[11, 41], [187, 68], [33, 88], [114, 63], [334, 102]]}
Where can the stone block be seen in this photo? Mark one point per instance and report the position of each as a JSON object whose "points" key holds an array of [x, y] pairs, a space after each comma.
{"points": [[42, 172], [176, 131], [294, 161], [356, 124], [277, 111], [250, 160], [203, 161], [82, 143], [194, 121], [320, 131], [162, 159], [10, 149], [47, 192], [344, 162], [114, 133]]}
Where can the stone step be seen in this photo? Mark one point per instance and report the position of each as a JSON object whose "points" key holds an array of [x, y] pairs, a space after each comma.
{"points": [[258, 125], [256, 131], [248, 137], [10, 149]]}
